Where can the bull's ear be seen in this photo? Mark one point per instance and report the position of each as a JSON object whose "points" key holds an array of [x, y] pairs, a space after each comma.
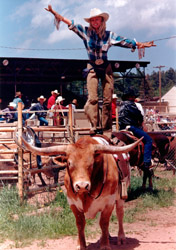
{"points": [[60, 160]]}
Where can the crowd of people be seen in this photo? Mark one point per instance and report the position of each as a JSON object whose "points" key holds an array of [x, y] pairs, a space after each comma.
{"points": [[42, 109]]}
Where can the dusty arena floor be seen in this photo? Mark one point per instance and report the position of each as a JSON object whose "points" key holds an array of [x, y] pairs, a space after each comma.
{"points": [[156, 231]]}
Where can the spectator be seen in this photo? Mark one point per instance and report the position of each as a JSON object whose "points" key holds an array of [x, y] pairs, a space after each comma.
{"points": [[10, 113], [58, 111], [130, 118], [139, 105], [74, 104], [1, 116], [41, 114], [18, 99], [52, 99], [114, 107]]}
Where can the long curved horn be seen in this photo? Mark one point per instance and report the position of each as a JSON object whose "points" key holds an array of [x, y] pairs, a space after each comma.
{"points": [[53, 150], [108, 149]]}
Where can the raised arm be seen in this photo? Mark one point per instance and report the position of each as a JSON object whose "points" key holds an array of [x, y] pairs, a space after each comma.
{"points": [[58, 16]]}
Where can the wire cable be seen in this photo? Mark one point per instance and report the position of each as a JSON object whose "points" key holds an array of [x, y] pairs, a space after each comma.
{"points": [[6, 47]]}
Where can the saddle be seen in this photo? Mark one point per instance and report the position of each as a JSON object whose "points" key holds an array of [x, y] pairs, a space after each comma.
{"points": [[124, 170], [128, 137]]}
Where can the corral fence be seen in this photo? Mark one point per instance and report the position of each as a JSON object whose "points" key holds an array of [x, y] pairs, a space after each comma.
{"points": [[65, 134], [75, 125]]}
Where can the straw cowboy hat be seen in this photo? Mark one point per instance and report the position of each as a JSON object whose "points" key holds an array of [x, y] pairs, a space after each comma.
{"points": [[97, 12], [59, 99], [55, 92], [12, 104], [41, 97], [18, 94], [114, 96]]}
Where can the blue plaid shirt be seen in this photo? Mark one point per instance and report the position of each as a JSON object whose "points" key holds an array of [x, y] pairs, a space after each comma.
{"points": [[97, 48]]}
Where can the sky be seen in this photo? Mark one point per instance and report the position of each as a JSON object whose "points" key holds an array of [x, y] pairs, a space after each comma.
{"points": [[27, 29]]}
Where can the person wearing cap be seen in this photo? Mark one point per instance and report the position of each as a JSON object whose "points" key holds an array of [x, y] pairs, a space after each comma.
{"points": [[52, 98], [41, 113], [58, 107], [18, 98], [130, 118], [97, 42], [10, 113]]}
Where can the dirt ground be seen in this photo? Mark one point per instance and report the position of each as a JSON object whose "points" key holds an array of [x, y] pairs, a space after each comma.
{"points": [[155, 231]]}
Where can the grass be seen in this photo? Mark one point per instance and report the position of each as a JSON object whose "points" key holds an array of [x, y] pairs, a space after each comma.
{"points": [[22, 224]]}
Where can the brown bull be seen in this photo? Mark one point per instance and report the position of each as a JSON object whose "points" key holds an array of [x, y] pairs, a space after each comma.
{"points": [[92, 183]]}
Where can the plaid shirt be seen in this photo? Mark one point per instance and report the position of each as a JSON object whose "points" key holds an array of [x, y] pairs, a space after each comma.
{"points": [[97, 48]]}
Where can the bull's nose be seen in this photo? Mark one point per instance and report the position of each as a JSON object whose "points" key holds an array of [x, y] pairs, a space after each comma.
{"points": [[82, 186]]}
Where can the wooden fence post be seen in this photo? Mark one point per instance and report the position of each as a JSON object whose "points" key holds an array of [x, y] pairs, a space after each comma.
{"points": [[20, 153], [70, 121]]}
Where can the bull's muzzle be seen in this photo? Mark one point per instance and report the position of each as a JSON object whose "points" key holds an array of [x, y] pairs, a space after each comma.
{"points": [[82, 186]]}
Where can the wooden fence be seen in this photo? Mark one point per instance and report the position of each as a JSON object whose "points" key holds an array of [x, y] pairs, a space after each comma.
{"points": [[71, 130], [75, 126]]}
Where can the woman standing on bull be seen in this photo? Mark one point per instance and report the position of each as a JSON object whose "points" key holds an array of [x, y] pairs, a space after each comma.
{"points": [[97, 42]]}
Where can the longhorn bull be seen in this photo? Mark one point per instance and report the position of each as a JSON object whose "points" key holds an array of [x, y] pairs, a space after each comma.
{"points": [[92, 182]]}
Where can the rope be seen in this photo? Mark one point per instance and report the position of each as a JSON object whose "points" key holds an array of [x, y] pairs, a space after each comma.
{"points": [[5, 47]]}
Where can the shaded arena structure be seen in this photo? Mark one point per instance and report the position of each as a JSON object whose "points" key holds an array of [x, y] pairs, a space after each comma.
{"points": [[36, 76]]}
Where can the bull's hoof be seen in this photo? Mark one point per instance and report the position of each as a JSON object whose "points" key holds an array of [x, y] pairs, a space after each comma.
{"points": [[121, 240]]}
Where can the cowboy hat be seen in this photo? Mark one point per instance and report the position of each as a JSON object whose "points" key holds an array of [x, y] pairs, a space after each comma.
{"points": [[41, 97], [12, 104], [55, 92], [114, 96], [59, 99], [97, 12], [129, 93], [18, 93]]}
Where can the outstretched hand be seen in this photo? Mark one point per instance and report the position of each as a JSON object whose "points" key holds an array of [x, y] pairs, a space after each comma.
{"points": [[49, 9], [145, 45], [141, 48]]}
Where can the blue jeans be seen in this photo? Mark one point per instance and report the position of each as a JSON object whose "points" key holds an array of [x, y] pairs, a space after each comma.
{"points": [[147, 140], [43, 121]]}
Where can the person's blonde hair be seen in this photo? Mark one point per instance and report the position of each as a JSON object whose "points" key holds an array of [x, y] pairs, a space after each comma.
{"points": [[101, 30]]}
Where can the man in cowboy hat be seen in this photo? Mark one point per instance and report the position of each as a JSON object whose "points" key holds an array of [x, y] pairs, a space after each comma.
{"points": [[17, 99], [130, 118], [52, 99], [40, 107], [97, 41]]}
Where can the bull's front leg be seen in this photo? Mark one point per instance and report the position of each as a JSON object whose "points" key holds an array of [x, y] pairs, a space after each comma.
{"points": [[104, 224], [120, 214], [80, 223]]}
